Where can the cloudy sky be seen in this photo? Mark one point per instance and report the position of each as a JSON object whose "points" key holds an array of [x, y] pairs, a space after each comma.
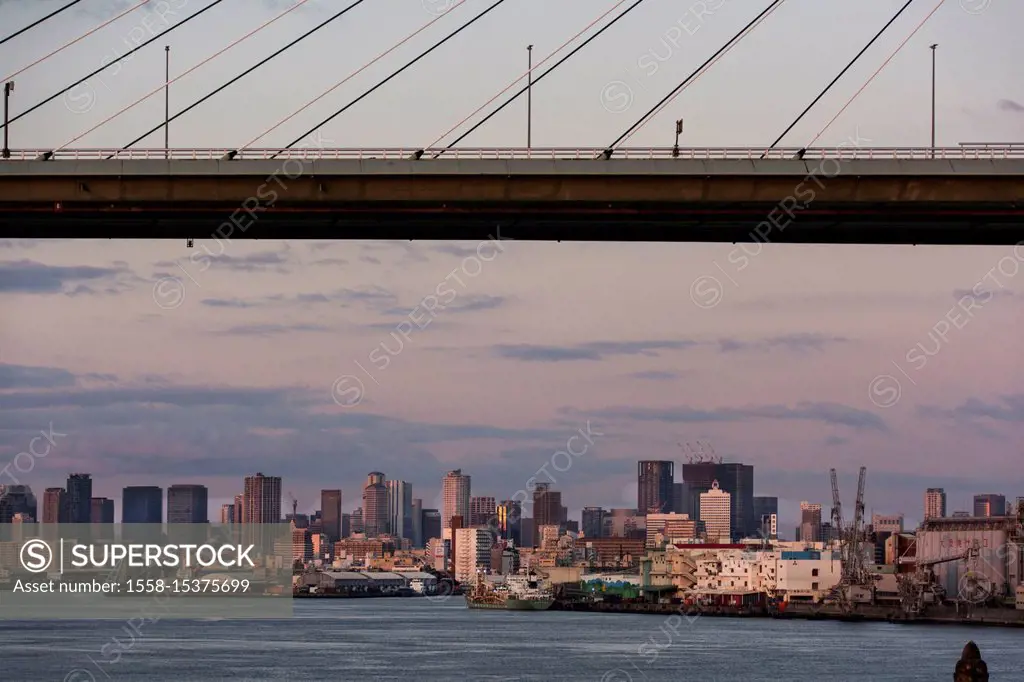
{"points": [[770, 356]]}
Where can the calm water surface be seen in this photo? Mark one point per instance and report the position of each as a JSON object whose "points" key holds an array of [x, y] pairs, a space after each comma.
{"points": [[417, 640]]}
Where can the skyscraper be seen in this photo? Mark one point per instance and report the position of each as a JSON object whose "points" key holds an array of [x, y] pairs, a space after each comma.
{"points": [[17, 499], [685, 502], [102, 510], [227, 514], [810, 522], [716, 513], [330, 511], [654, 486], [417, 523], [547, 509], [510, 521], [261, 501], [735, 479], [481, 511], [593, 522], [989, 504], [375, 505], [935, 503], [55, 505], [454, 497], [79, 498], [400, 509], [188, 504], [142, 504]]}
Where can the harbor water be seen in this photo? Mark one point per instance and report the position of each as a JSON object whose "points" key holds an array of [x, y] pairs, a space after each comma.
{"points": [[417, 639]]}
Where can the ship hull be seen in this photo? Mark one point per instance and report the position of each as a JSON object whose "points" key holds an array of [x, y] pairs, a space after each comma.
{"points": [[485, 605], [529, 604]]}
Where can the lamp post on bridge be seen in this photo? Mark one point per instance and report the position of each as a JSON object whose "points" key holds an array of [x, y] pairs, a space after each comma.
{"points": [[679, 131], [932, 48], [167, 101], [529, 94], [8, 89]]}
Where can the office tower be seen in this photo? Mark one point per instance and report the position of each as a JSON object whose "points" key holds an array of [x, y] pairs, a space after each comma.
{"points": [[188, 504], [17, 499], [934, 503], [417, 523], [472, 549], [684, 501], [55, 505], [810, 522], [142, 504], [481, 510], [593, 522], [346, 525], [239, 504], [375, 505], [102, 510], [432, 525], [765, 506], [654, 486], [454, 497], [227, 514], [330, 509], [716, 513], [357, 521], [261, 501], [399, 494], [79, 494], [547, 508], [735, 479], [989, 504], [510, 521]]}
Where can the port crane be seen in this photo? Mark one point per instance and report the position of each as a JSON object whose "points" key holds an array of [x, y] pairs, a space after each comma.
{"points": [[702, 453], [295, 505], [854, 572], [913, 587]]}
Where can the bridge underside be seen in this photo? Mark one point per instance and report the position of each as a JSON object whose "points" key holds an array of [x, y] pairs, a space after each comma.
{"points": [[721, 201], [821, 223]]}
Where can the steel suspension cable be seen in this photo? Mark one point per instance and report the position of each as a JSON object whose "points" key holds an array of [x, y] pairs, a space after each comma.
{"points": [[298, 3], [732, 42], [380, 84], [245, 73], [538, 78], [527, 73], [875, 74], [350, 76], [39, 21], [841, 74], [85, 35], [129, 53]]}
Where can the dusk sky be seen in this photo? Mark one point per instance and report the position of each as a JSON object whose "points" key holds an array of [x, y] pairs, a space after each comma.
{"points": [[777, 373]]}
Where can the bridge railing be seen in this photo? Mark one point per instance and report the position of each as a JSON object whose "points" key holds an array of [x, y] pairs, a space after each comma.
{"points": [[962, 152]]}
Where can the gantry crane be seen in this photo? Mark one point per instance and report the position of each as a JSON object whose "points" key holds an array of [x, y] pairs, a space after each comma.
{"points": [[854, 572]]}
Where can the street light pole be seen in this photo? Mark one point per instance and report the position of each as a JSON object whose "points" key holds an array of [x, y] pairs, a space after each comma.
{"points": [[167, 101], [8, 89], [529, 94], [679, 131], [935, 45]]}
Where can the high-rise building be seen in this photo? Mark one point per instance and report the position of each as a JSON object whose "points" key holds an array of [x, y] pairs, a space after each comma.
{"points": [[684, 501], [765, 505], [357, 521], [934, 503], [188, 504], [400, 509], [227, 514], [142, 504], [55, 505], [716, 513], [375, 505], [17, 499], [810, 522], [454, 497], [882, 523], [417, 523], [593, 522], [547, 508], [102, 510], [79, 498], [735, 479], [239, 513], [261, 501], [510, 521], [330, 510], [432, 526], [472, 552], [654, 486], [990, 504], [481, 510]]}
